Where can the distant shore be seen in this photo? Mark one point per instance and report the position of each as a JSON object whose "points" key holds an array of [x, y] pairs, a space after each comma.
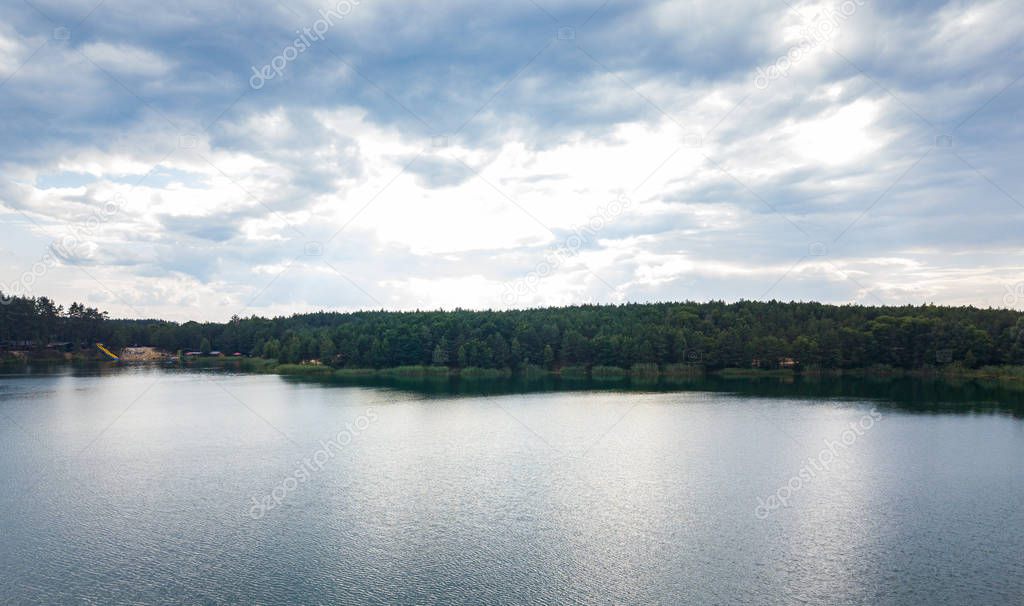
{"points": [[1010, 375]]}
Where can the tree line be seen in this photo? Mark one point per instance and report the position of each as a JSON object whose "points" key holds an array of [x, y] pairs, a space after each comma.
{"points": [[35, 323], [713, 334]]}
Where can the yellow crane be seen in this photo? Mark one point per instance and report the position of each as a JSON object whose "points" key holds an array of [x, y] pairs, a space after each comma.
{"points": [[107, 351]]}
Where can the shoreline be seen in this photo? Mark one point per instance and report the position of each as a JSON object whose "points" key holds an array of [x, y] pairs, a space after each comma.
{"points": [[977, 391], [1010, 375]]}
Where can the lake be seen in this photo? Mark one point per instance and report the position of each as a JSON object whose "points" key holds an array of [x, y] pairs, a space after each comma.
{"points": [[145, 485]]}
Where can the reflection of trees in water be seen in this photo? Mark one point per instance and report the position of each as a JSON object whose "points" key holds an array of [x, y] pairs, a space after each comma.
{"points": [[907, 394], [899, 393]]}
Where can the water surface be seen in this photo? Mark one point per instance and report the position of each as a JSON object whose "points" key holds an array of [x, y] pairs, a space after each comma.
{"points": [[154, 486]]}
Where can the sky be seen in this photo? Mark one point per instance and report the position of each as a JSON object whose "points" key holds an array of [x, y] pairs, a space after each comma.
{"points": [[199, 160]]}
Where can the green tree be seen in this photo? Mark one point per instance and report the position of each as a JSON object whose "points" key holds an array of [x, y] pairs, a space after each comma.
{"points": [[272, 350], [515, 353], [440, 356], [327, 349], [293, 350], [549, 357]]}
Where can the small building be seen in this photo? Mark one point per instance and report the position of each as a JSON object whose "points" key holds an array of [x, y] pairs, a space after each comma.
{"points": [[18, 344]]}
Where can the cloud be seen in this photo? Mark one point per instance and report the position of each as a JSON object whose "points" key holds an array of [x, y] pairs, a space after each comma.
{"points": [[212, 228], [439, 154], [123, 59], [435, 172]]}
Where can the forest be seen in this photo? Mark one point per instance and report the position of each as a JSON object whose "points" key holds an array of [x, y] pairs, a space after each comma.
{"points": [[714, 335]]}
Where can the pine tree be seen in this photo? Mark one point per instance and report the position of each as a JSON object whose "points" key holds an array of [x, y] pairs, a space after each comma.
{"points": [[327, 349], [440, 356], [549, 357]]}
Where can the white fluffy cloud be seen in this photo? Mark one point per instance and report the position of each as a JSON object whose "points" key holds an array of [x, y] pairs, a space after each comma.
{"points": [[507, 157]]}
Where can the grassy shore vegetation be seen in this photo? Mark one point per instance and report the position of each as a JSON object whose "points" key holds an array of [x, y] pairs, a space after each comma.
{"points": [[574, 372], [608, 373], [1011, 376], [747, 338]]}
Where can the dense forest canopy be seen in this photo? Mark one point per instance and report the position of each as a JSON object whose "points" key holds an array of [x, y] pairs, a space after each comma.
{"points": [[714, 334]]}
